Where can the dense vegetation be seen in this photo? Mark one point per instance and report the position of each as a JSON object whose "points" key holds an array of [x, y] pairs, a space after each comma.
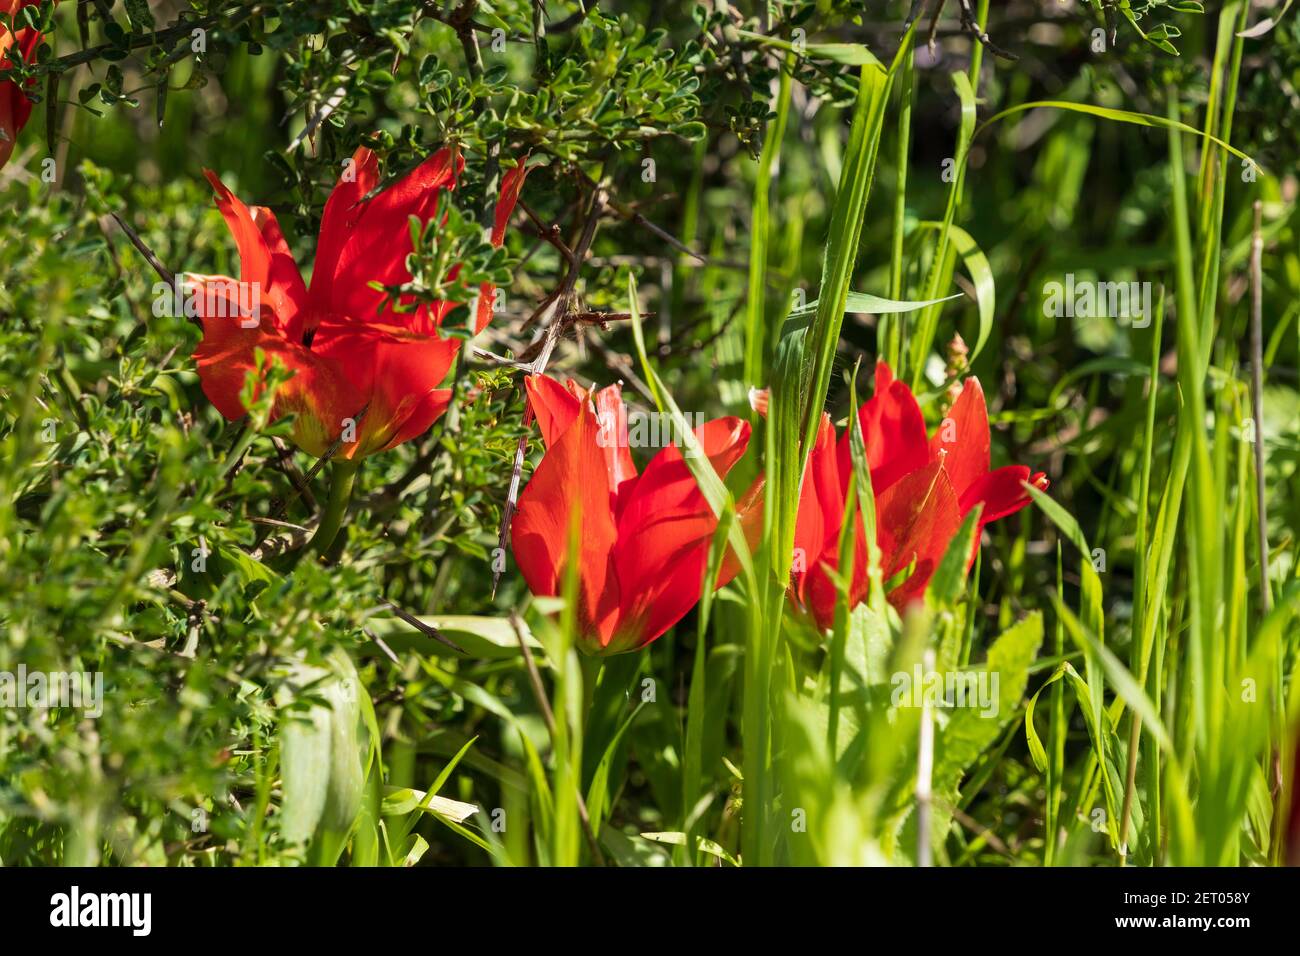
{"points": [[1087, 208]]}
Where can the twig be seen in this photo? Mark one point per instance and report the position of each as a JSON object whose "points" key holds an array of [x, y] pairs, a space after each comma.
{"points": [[382, 645], [426, 629], [979, 829], [551, 336], [571, 21], [163, 272], [916, 10], [534, 676], [322, 114], [971, 26], [258, 519], [158, 38], [631, 215]]}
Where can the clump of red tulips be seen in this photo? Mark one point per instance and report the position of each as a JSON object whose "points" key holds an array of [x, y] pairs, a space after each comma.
{"points": [[924, 488], [644, 538], [365, 377]]}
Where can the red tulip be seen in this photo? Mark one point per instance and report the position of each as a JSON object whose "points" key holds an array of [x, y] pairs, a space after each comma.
{"points": [[346, 354], [644, 539], [924, 488], [15, 107]]}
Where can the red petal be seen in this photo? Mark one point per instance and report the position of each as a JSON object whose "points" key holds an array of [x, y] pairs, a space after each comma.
{"points": [[1001, 491], [254, 256], [820, 594], [962, 440], [611, 413], [553, 405], [380, 241], [667, 489], [14, 110], [264, 258], [424, 413], [884, 377], [893, 430], [749, 512], [917, 517], [511, 183], [343, 211], [15, 107], [483, 310], [821, 507], [319, 393], [665, 526], [668, 579], [286, 292], [397, 371], [570, 475]]}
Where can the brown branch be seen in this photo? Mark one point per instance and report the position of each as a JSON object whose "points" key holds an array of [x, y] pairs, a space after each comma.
{"points": [[426, 629], [562, 293], [971, 26]]}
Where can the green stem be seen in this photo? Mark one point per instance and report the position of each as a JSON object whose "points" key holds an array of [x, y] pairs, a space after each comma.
{"points": [[342, 474], [591, 668]]}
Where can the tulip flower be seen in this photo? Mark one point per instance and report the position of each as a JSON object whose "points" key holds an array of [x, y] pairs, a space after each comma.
{"points": [[363, 371], [644, 539], [924, 488], [15, 107], [364, 374]]}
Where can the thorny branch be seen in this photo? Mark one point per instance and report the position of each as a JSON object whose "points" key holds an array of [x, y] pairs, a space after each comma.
{"points": [[563, 294]]}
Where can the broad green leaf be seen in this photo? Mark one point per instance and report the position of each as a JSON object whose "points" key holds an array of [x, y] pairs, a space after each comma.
{"points": [[321, 756], [485, 638]]}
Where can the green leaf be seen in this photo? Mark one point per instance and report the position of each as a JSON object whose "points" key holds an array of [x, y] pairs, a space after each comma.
{"points": [[399, 801], [598, 792], [850, 54], [981, 275], [321, 757], [1118, 116], [845, 232], [484, 638], [864, 302], [948, 582], [704, 845], [970, 731]]}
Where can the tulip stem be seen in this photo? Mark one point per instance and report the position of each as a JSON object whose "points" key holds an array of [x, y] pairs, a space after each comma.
{"points": [[591, 668], [342, 473]]}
